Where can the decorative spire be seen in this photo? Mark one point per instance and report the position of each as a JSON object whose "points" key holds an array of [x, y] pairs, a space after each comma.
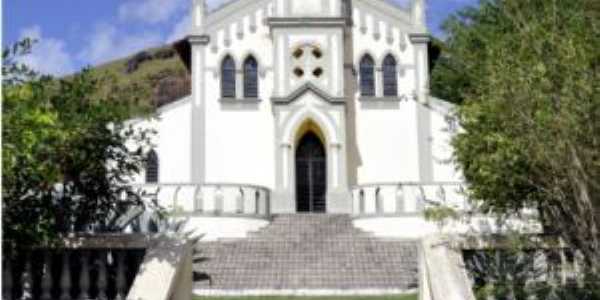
{"points": [[418, 12], [198, 14]]}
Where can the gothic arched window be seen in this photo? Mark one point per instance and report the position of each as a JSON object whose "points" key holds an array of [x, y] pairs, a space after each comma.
{"points": [[228, 78], [152, 167], [390, 77], [250, 78], [367, 76]]}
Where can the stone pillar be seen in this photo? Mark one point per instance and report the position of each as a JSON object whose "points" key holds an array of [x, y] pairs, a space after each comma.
{"points": [[378, 80], [420, 42], [198, 41], [239, 82]]}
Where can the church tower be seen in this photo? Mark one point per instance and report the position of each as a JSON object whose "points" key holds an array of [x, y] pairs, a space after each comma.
{"points": [[308, 60], [308, 45]]}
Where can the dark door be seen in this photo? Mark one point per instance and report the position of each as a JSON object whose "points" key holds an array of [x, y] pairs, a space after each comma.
{"points": [[311, 174]]}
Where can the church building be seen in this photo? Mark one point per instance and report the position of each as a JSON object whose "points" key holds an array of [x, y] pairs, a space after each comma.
{"points": [[305, 106], [310, 151]]}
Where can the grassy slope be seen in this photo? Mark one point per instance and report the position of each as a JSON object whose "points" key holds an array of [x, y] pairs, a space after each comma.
{"points": [[140, 85], [397, 297]]}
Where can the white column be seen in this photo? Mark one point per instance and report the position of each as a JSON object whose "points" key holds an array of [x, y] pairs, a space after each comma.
{"points": [[286, 150], [198, 133], [335, 154], [239, 83], [378, 81]]}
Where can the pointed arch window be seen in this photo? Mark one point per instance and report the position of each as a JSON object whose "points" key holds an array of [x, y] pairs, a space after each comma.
{"points": [[367, 76], [250, 77], [390, 76], [228, 77], [152, 167]]}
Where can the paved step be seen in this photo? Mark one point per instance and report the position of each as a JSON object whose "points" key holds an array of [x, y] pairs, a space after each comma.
{"points": [[308, 252]]}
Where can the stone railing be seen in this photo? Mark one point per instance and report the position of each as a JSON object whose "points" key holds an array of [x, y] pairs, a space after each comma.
{"points": [[447, 262], [407, 198], [243, 200], [98, 267]]}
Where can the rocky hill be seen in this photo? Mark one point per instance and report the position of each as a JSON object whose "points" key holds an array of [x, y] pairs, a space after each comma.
{"points": [[152, 77]]}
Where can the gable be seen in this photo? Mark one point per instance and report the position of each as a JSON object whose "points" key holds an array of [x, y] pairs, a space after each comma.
{"points": [[303, 90], [237, 11]]}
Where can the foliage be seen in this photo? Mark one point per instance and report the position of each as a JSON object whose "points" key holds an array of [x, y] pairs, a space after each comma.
{"points": [[65, 157], [528, 76], [516, 273], [440, 214]]}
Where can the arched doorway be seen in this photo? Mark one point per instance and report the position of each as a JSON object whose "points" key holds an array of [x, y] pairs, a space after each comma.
{"points": [[311, 174]]}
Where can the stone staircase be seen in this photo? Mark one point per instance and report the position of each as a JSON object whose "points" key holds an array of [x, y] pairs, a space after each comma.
{"points": [[308, 252]]}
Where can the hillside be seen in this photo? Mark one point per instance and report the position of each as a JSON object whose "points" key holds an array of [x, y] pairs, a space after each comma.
{"points": [[152, 77]]}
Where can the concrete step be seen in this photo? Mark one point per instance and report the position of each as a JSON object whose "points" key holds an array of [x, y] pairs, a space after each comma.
{"points": [[305, 251]]}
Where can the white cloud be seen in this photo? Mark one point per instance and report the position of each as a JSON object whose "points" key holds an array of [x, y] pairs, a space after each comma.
{"points": [[107, 43], [48, 55], [151, 11]]}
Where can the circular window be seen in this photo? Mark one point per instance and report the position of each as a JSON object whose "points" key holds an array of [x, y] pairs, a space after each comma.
{"points": [[298, 72], [317, 53], [298, 53], [318, 72]]}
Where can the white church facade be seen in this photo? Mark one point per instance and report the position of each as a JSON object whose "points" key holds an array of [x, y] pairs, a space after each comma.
{"points": [[306, 106]]}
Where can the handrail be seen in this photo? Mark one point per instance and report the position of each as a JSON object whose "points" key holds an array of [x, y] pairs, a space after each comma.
{"points": [[210, 184], [408, 183], [218, 199], [400, 198]]}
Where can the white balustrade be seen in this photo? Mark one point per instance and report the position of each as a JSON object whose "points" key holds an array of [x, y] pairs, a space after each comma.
{"points": [[212, 199], [83, 267], [407, 198]]}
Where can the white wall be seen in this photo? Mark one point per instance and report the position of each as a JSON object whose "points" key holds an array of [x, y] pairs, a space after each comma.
{"points": [[417, 227], [442, 129], [172, 141], [213, 229], [240, 136], [386, 131]]}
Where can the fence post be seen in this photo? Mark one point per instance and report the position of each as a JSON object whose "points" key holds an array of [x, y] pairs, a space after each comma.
{"points": [[27, 279], [102, 277], [47, 276], [120, 275], [65, 278], [84, 279]]}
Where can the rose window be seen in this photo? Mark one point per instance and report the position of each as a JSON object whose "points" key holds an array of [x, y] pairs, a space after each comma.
{"points": [[307, 62]]}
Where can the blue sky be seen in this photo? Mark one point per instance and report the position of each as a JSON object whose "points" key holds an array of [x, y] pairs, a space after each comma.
{"points": [[76, 33]]}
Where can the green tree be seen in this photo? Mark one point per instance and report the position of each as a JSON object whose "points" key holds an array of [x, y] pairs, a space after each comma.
{"points": [[528, 76], [65, 160]]}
